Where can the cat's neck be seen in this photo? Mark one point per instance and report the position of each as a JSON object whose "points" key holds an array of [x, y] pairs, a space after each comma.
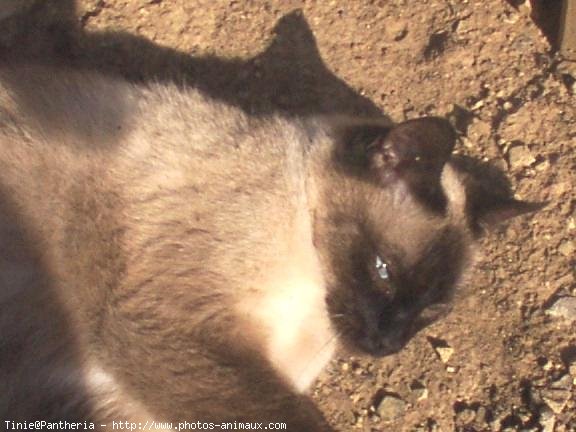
{"points": [[290, 311]]}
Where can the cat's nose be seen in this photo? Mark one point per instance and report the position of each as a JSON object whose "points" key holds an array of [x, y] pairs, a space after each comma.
{"points": [[386, 341], [393, 333], [387, 329], [380, 346]]}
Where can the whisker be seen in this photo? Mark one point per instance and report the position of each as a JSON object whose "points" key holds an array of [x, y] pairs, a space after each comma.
{"points": [[318, 353]]}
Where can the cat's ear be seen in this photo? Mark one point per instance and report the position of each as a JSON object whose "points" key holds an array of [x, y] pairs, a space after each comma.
{"points": [[489, 198], [413, 152], [392, 150], [484, 216]]}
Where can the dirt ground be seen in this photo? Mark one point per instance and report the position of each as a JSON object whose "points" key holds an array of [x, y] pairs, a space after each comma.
{"points": [[505, 358]]}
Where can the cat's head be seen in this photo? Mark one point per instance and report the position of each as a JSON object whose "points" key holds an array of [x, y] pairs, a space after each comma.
{"points": [[400, 221]]}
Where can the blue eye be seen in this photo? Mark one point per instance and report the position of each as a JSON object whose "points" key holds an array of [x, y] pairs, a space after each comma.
{"points": [[382, 268]]}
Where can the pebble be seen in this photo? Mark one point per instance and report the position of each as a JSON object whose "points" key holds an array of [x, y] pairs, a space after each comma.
{"points": [[444, 353], [548, 425], [548, 365], [391, 407], [543, 165], [519, 156], [467, 142], [567, 248], [567, 68], [478, 105], [547, 420], [466, 416], [556, 399], [560, 188], [563, 383], [397, 30], [572, 369], [419, 390], [481, 415], [524, 414], [564, 307], [482, 128]]}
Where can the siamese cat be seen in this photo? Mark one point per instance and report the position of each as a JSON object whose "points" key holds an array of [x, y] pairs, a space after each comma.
{"points": [[166, 257]]}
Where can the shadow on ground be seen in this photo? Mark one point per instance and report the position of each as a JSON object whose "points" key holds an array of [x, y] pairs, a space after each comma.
{"points": [[289, 76]]}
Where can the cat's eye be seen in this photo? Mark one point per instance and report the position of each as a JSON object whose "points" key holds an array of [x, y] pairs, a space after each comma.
{"points": [[382, 268]]}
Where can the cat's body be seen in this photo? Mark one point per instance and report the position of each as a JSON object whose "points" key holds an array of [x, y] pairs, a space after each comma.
{"points": [[167, 257]]}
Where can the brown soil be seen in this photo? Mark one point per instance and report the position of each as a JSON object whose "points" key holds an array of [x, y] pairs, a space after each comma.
{"points": [[485, 65]]}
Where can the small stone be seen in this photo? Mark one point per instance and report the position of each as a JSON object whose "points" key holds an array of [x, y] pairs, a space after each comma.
{"points": [[519, 156], [507, 106], [481, 415], [560, 188], [477, 105], [548, 365], [451, 369], [419, 390], [543, 165], [567, 68], [444, 353], [466, 416], [482, 128], [547, 420], [391, 407], [548, 425], [344, 367], [375, 418], [443, 350], [563, 383], [567, 248], [524, 414], [467, 142], [397, 30], [556, 399], [564, 307], [511, 19], [572, 369]]}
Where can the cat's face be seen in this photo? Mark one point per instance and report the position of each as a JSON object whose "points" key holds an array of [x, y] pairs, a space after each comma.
{"points": [[399, 248]]}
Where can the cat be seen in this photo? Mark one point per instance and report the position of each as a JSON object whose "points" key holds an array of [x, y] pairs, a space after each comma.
{"points": [[167, 257]]}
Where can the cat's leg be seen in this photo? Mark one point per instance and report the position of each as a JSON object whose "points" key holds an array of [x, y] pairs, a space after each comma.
{"points": [[176, 378]]}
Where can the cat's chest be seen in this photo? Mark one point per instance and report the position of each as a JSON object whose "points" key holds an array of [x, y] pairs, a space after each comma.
{"points": [[290, 312], [300, 338]]}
